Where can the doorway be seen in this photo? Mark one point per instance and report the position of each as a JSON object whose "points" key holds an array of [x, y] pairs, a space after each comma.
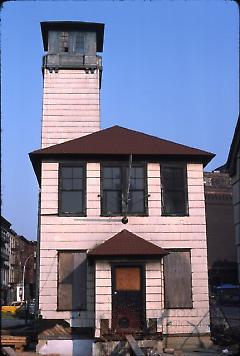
{"points": [[128, 298]]}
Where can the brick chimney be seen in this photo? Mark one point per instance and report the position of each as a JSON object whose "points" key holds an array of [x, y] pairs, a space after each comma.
{"points": [[72, 79]]}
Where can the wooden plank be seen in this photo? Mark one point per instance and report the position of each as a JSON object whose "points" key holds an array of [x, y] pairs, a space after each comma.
{"points": [[72, 281], [118, 349], [17, 341], [178, 280], [8, 351], [133, 345], [128, 278]]}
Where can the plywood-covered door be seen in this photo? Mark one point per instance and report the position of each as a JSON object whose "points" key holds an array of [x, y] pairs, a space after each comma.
{"points": [[128, 298]]}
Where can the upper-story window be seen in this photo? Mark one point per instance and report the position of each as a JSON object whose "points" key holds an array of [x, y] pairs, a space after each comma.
{"points": [[72, 190], [79, 43], [124, 190], [64, 41], [174, 190]]}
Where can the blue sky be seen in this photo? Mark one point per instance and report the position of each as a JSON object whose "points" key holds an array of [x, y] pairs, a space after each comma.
{"points": [[170, 69]]}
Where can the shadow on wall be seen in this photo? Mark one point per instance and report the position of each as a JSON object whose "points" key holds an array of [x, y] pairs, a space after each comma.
{"points": [[194, 338]]}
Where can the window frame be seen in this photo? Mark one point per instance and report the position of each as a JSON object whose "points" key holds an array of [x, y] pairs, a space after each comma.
{"points": [[123, 166], [60, 190], [85, 282], [75, 41], [64, 39], [182, 166]]}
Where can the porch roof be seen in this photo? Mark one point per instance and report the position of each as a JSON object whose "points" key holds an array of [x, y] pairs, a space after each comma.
{"points": [[127, 244]]}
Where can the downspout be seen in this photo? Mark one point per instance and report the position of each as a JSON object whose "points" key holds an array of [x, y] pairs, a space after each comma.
{"points": [[37, 311], [125, 197]]}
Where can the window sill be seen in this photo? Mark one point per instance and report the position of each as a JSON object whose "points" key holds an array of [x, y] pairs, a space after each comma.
{"points": [[175, 215], [178, 308], [122, 215], [72, 215], [71, 310]]}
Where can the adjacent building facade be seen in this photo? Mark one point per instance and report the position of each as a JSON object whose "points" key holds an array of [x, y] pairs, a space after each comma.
{"points": [[122, 214], [22, 253], [233, 167], [5, 263], [16, 251], [222, 254]]}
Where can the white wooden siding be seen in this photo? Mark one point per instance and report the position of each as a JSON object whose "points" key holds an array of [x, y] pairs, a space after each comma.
{"points": [[70, 105], [103, 294], [85, 232]]}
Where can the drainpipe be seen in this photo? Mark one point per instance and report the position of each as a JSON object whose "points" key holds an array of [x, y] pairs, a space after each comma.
{"points": [[38, 257]]}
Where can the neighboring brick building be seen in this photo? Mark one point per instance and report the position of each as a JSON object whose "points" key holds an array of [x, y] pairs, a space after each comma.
{"points": [[15, 250], [222, 256], [21, 249], [5, 257]]}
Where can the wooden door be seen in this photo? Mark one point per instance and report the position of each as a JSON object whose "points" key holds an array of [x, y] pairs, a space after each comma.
{"points": [[127, 299]]}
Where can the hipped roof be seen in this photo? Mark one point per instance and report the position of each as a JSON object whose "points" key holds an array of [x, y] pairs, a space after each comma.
{"points": [[120, 141], [127, 244]]}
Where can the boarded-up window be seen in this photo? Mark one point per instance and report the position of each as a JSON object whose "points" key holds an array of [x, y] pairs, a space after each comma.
{"points": [[128, 278], [72, 277], [178, 280]]}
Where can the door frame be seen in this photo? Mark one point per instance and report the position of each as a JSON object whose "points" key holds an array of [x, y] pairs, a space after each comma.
{"points": [[142, 267]]}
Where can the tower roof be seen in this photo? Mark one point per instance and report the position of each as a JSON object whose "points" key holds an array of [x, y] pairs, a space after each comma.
{"points": [[73, 26]]}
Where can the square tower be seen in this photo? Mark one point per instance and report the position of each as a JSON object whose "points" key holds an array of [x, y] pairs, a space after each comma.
{"points": [[72, 73]]}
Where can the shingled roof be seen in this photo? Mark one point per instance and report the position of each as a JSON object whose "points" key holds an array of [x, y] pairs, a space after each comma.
{"points": [[119, 140], [127, 244]]}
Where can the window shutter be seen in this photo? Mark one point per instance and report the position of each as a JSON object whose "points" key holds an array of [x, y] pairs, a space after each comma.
{"points": [[178, 280], [72, 278]]}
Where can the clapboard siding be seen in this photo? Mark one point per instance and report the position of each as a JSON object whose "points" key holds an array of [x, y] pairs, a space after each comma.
{"points": [[153, 291], [103, 294], [69, 96], [188, 232]]}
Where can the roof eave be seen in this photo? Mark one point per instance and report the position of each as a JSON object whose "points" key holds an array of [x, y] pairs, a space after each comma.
{"points": [[37, 157], [93, 257]]}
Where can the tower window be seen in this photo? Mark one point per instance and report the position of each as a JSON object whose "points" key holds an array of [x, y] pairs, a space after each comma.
{"points": [[64, 41], [79, 42]]}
